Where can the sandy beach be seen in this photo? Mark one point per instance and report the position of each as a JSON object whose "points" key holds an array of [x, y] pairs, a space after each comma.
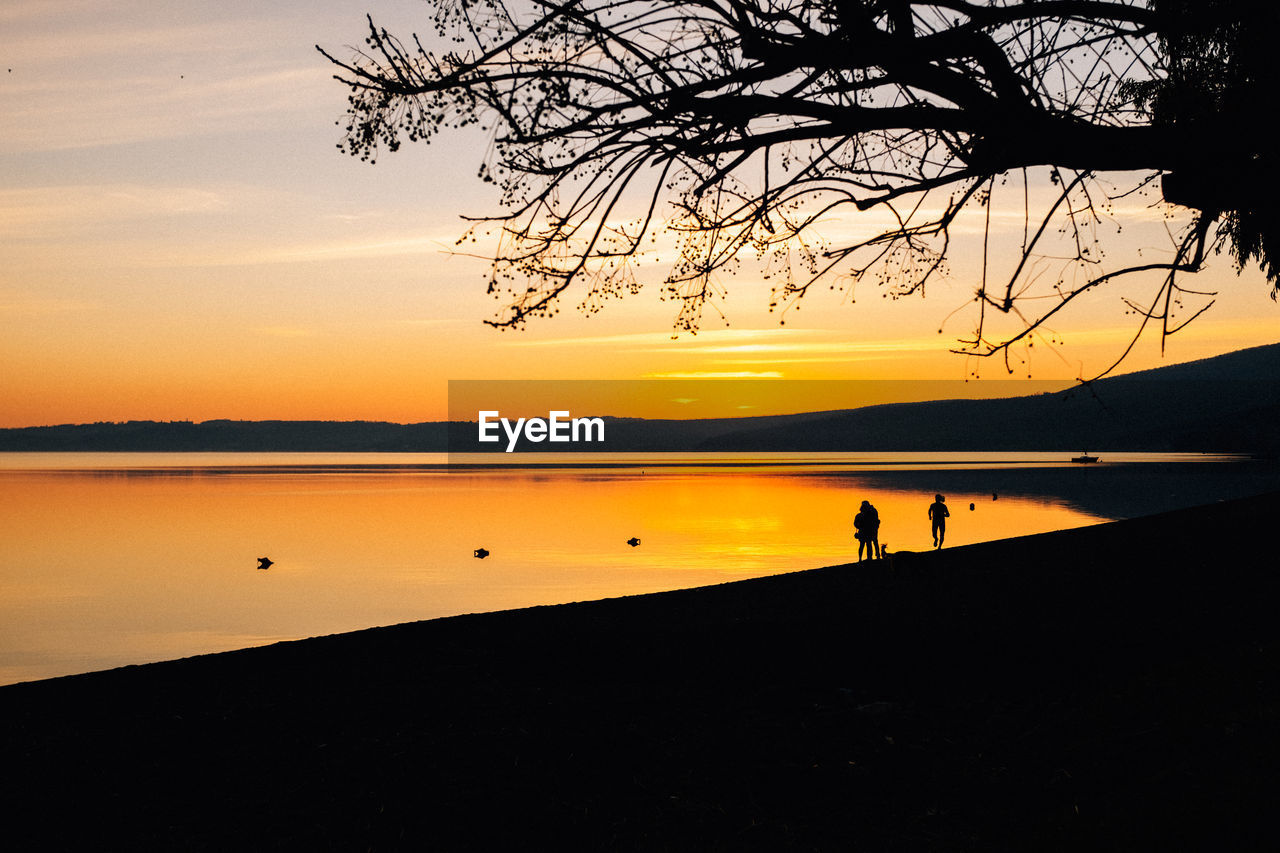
{"points": [[1111, 687]]}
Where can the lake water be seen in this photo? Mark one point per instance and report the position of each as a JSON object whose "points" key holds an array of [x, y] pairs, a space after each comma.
{"points": [[112, 559]]}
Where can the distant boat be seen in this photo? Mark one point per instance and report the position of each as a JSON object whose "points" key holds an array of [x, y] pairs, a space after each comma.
{"points": [[1085, 457]]}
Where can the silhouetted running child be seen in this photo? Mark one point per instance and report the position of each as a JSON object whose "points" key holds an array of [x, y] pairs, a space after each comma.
{"points": [[866, 529], [938, 513]]}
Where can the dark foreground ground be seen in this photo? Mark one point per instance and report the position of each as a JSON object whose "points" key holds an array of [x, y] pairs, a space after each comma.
{"points": [[1112, 688]]}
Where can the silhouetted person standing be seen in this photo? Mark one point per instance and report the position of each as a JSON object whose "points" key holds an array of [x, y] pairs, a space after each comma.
{"points": [[866, 529], [938, 513]]}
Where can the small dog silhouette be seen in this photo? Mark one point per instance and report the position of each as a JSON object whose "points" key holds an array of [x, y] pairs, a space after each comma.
{"points": [[900, 560]]}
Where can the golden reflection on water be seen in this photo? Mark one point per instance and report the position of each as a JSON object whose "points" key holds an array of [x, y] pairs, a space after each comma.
{"points": [[104, 568]]}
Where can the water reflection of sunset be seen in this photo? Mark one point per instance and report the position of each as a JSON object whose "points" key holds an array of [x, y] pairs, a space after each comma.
{"points": [[103, 568]]}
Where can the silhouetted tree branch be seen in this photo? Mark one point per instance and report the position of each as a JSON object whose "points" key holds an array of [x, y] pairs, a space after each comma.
{"points": [[734, 126]]}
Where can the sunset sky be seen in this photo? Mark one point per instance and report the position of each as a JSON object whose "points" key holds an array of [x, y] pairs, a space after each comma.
{"points": [[182, 240]]}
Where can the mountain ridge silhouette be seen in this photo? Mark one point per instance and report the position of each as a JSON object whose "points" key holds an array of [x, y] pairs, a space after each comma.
{"points": [[1226, 403]]}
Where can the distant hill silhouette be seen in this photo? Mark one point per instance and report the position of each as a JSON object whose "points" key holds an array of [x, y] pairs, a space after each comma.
{"points": [[1222, 404], [1227, 403], [226, 435]]}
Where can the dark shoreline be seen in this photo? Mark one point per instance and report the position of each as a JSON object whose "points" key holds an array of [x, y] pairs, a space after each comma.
{"points": [[1110, 687]]}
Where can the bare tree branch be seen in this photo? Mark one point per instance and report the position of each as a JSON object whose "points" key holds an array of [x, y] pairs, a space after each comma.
{"points": [[735, 127]]}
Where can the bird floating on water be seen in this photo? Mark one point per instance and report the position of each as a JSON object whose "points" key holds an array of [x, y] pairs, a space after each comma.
{"points": [[633, 541], [481, 553], [265, 562]]}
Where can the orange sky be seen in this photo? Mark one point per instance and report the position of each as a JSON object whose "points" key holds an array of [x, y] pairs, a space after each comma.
{"points": [[182, 240]]}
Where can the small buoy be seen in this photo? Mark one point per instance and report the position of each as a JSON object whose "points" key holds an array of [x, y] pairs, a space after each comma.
{"points": [[970, 507], [995, 496], [481, 553], [633, 541], [264, 562]]}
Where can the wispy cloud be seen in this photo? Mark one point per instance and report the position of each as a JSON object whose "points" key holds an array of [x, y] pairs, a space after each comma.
{"points": [[54, 114], [830, 347], [42, 306], [832, 359], [665, 339], [287, 331], [58, 212], [426, 244], [432, 323], [1206, 328], [713, 374], [751, 347], [82, 74], [122, 217]]}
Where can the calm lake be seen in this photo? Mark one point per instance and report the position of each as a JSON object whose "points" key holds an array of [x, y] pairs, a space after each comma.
{"points": [[118, 558]]}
